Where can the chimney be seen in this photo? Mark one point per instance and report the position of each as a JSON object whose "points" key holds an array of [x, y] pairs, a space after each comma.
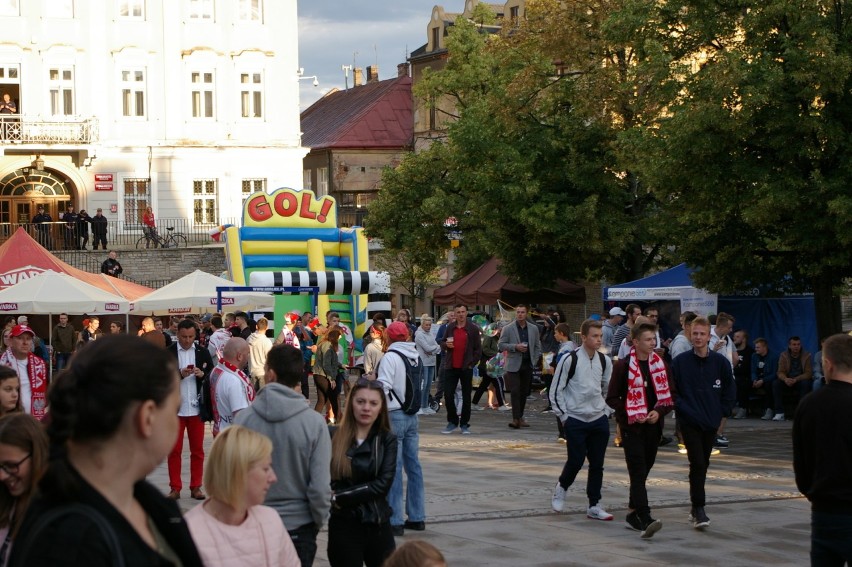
{"points": [[402, 70], [372, 73], [358, 77]]}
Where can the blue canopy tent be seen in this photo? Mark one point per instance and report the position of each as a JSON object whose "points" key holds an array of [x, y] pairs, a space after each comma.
{"points": [[774, 318]]}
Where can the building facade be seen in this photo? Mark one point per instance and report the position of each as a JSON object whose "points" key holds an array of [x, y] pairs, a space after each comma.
{"points": [[185, 106], [353, 135]]}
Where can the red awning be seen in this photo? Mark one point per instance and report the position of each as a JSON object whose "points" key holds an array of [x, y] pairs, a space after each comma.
{"points": [[21, 257], [485, 285]]}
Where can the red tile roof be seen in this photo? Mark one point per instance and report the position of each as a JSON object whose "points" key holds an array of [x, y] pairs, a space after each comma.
{"points": [[375, 115]]}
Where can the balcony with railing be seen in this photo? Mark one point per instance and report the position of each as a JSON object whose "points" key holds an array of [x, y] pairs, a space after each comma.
{"points": [[20, 129]]}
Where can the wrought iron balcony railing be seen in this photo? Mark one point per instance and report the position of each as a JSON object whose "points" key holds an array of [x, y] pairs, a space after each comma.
{"points": [[20, 129]]}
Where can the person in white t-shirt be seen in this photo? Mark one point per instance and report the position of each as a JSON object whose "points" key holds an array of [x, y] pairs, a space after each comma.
{"points": [[259, 347], [230, 387]]}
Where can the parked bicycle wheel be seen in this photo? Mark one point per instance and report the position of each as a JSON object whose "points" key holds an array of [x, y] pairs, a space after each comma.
{"points": [[143, 243], [177, 241]]}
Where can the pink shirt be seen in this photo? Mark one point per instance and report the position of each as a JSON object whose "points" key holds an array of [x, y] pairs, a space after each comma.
{"points": [[261, 540]]}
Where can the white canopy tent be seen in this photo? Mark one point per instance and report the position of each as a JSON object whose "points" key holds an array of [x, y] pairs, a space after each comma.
{"points": [[196, 293], [53, 292]]}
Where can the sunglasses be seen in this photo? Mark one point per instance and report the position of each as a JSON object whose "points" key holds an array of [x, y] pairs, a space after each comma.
{"points": [[367, 383], [13, 468]]}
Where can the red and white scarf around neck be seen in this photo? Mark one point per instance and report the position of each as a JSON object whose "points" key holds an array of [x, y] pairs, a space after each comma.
{"points": [[637, 404], [37, 378]]}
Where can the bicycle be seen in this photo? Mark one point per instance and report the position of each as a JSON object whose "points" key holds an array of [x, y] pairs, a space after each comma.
{"points": [[171, 240]]}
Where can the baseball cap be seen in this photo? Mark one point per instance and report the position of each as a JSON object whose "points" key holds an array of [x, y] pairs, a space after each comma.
{"points": [[617, 311], [19, 330], [398, 331], [206, 317]]}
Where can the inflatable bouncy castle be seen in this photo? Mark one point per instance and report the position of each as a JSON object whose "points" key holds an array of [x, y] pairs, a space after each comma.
{"points": [[291, 238]]}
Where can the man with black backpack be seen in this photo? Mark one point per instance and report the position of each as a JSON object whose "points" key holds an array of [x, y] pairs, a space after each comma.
{"points": [[578, 394], [399, 372]]}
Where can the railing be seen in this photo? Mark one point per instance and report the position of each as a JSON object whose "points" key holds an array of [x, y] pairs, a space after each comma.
{"points": [[120, 235], [20, 129]]}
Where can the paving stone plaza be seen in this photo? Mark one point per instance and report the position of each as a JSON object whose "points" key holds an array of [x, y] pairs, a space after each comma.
{"points": [[488, 499]]}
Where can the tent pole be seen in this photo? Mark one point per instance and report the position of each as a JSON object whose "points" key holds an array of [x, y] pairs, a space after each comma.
{"points": [[51, 357]]}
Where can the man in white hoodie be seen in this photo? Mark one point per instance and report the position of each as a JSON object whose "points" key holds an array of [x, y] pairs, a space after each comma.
{"points": [[301, 450], [391, 374], [578, 396]]}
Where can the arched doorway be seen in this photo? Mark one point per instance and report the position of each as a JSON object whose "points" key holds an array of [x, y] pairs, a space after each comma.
{"points": [[23, 190]]}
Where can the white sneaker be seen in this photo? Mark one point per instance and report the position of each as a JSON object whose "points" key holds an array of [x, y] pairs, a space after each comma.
{"points": [[597, 513], [476, 407], [558, 500], [740, 413], [767, 415], [504, 407], [421, 412], [428, 411], [778, 417]]}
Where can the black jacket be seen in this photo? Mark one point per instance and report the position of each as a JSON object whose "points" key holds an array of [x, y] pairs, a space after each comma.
{"points": [[204, 361], [99, 225], [363, 497], [111, 267], [73, 541], [704, 389]]}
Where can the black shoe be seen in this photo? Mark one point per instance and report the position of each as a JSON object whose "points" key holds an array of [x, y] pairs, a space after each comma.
{"points": [[650, 526], [665, 441], [632, 522], [398, 530], [698, 518], [416, 526]]}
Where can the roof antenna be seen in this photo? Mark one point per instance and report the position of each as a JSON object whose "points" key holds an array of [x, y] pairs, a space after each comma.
{"points": [[346, 69]]}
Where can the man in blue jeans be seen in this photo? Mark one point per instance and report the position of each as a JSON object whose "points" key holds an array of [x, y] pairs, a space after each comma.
{"points": [[577, 395], [391, 374]]}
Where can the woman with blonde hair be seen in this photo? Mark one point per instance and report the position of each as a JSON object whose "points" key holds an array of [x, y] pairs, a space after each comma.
{"points": [[374, 351], [23, 459], [427, 348], [326, 367], [363, 465], [233, 528]]}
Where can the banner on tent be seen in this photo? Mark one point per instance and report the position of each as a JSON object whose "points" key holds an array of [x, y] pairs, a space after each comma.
{"points": [[699, 301]]}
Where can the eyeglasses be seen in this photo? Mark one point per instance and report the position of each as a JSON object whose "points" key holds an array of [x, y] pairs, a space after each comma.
{"points": [[13, 468], [363, 382]]}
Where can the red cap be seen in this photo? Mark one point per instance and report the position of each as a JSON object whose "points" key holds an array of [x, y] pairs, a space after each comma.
{"points": [[398, 331], [19, 330]]}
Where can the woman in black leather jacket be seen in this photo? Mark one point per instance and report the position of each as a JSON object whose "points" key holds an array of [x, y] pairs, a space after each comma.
{"points": [[363, 465]]}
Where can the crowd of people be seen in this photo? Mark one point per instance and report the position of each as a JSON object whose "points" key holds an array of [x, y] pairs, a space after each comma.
{"points": [[280, 469]]}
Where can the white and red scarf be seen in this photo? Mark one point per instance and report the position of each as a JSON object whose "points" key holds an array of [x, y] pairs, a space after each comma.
{"points": [[214, 382], [637, 403], [37, 370]]}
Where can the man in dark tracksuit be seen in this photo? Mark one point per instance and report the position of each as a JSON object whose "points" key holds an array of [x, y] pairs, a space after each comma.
{"points": [[704, 392]]}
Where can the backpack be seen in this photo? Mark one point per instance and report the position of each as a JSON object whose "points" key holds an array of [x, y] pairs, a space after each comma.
{"points": [[573, 367], [410, 404]]}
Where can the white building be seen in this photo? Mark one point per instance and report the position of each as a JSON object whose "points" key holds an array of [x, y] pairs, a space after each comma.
{"points": [[181, 105]]}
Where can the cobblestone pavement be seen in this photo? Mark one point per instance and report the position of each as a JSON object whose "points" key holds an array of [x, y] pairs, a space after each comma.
{"points": [[488, 499]]}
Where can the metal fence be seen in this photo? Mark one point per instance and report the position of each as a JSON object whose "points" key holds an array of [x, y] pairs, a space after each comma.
{"points": [[121, 235]]}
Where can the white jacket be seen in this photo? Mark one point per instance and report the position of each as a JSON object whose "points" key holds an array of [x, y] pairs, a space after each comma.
{"points": [[392, 371], [584, 396]]}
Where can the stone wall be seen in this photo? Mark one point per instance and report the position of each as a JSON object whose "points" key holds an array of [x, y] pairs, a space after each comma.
{"points": [[155, 267]]}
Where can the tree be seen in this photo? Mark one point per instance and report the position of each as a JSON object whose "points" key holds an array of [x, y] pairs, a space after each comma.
{"points": [[754, 157], [407, 272], [534, 164]]}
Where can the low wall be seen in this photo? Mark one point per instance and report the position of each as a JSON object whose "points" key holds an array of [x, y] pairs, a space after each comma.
{"points": [[155, 267]]}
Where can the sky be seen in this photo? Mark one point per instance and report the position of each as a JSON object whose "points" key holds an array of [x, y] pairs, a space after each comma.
{"points": [[333, 33]]}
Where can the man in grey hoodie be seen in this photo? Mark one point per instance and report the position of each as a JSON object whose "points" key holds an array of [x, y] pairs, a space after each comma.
{"points": [[301, 450]]}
